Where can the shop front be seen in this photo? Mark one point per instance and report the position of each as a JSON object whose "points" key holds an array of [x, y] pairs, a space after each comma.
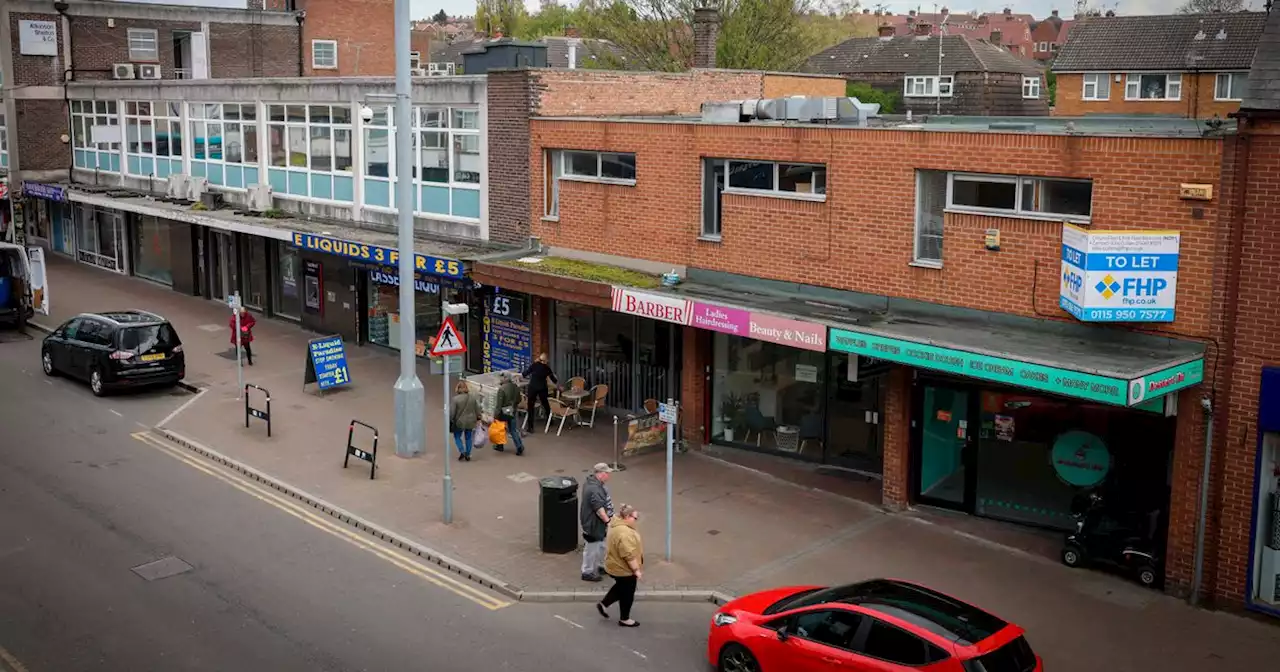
{"points": [[48, 217], [1264, 562], [152, 249], [638, 358], [1018, 441], [101, 237]]}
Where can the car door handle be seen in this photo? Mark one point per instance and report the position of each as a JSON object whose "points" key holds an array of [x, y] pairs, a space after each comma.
{"points": [[832, 661]]}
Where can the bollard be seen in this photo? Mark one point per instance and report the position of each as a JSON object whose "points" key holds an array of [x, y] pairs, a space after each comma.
{"points": [[370, 456], [617, 466], [250, 412]]}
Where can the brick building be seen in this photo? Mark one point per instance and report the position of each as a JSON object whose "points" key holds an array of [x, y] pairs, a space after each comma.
{"points": [[350, 38], [1188, 65]]}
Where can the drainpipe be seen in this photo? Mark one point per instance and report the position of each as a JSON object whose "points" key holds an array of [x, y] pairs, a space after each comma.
{"points": [[1197, 573], [300, 17]]}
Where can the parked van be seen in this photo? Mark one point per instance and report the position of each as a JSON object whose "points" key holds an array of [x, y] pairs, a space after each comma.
{"points": [[22, 284]]}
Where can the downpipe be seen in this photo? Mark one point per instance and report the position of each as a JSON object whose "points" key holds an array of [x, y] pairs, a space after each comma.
{"points": [[1197, 572]]}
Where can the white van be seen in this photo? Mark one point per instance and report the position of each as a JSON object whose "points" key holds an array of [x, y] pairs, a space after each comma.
{"points": [[23, 290]]}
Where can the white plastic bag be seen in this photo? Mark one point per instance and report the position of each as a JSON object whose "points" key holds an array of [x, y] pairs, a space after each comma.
{"points": [[480, 436]]}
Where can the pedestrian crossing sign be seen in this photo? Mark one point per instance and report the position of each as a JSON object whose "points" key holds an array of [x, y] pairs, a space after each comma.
{"points": [[448, 341]]}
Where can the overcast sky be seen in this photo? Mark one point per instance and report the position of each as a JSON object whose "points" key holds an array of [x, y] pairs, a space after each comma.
{"points": [[1038, 8]]}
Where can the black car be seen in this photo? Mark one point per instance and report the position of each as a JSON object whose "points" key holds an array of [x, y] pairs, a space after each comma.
{"points": [[127, 348]]}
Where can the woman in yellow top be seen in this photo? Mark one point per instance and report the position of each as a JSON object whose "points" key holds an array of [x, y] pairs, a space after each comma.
{"points": [[624, 561]]}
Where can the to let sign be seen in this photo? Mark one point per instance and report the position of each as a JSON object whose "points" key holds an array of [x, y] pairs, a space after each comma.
{"points": [[1119, 276]]}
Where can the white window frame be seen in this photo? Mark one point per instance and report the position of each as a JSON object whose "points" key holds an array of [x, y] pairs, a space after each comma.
{"points": [[145, 114], [929, 86], [1229, 78], [1017, 212], [552, 172], [599, 177], [315, 61], [204, 115], [448, 121], [1172, 83], [917, 234], [1101, 82], [308, 128], [1031, 87], [82, 123], [1042, 46], [4, 142], [139, 50], [812, 195], [415, 60]]}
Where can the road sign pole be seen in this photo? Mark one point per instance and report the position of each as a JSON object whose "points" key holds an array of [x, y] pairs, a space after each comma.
{"points": [[671, 437], [235, 310], [448, 474], [447, 344]]}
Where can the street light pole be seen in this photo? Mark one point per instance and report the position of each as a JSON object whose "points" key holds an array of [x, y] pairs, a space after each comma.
{"points": [[410, 395], [450, 310]]}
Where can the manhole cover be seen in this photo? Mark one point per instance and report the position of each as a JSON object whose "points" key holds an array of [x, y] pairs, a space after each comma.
{"points": [[162, 568]]}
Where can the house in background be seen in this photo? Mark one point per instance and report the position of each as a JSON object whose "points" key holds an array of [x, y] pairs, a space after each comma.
{"points": [[1186, 65], [1048, 36], [1007, 29], [952, 74]]}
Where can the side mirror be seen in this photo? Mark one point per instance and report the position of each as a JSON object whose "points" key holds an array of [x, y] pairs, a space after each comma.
{"points": [[782, 634]]}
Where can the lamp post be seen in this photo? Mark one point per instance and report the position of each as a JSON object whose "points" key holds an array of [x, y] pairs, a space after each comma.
{"points": [[450, 309]]}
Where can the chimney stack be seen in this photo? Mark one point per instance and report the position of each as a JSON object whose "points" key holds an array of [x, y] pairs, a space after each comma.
{"points": [[886, 30], [945, 11], [1111, 12], [911, 13], [706, 28], [924, 28], [995, 38], [1055, 12]]}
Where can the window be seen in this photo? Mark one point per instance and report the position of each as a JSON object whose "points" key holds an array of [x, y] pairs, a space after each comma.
{"points": [[415, 60], [1230, 86], [143, 44], [552, 183], [1031, 87], [895, 645], [224, 143], [324, 54], [713, 184], [598, 166], [930, 87], [1042, 46], [800, 179], [831, 627], [1021, 196], [153, 138], [311, 147], [1097, 86], [4, 142], [95, 134], [447, 169], [1153, 87], [931, 202]]}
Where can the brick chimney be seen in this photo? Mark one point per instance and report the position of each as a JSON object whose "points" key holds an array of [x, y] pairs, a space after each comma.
{"points": [[706, 28], [886, 30], [1055, 12], [1008, 14], [995, 38], [924, 28]]}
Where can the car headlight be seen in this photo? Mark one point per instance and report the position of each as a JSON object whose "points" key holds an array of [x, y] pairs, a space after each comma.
{"points": [[722, 619]]}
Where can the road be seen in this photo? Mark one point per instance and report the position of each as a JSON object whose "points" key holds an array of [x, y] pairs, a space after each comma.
{"points": [[244, 581]]}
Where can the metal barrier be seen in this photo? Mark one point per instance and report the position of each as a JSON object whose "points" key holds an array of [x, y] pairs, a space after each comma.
{"points": [[251, 412], [370, 456]]}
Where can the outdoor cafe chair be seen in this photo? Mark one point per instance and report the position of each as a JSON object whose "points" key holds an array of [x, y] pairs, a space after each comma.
{"points": [[594, 402], [559, 410]]}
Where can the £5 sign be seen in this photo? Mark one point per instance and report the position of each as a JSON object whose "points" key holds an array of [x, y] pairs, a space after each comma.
{"points": [[1119, 276]]}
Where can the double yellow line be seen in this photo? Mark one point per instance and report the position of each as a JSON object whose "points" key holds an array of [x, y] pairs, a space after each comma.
{"points": [[405, 562]]}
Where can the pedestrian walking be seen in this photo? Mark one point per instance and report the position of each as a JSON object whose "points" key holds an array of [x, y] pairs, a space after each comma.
{"points": [[597, 511], [624, 561], [244, 338], [538, 374], [507, 401], [464, 413]]}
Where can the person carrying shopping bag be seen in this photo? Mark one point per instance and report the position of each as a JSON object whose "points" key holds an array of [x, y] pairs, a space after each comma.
{"points": [[624, 562], [245, 337], [464, 413], [508, 398]]}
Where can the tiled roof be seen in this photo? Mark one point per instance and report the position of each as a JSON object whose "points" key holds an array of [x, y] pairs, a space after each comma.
{"points": [[590, 53], [1263, 92], [916, 56], [1179, 42]]}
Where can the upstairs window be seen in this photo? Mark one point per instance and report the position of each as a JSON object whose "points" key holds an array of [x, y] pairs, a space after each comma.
{"points": [[1230, 86], [615, 167], [415, 60], [144, 45], [777, 179], [1031, 87], [1097, 86], [928, 87], [324, 54], [1153, 87], [1034, 197]]}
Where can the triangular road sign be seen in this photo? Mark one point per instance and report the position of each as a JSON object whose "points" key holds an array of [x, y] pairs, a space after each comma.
{"points": [[448, 341]]}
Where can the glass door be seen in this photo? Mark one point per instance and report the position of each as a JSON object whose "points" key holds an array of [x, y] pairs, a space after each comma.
{"points": [[222, 267], [944, 430], [853, 414]]}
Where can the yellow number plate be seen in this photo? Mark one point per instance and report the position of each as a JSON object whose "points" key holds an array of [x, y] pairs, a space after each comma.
{"points": [[153, 358]]}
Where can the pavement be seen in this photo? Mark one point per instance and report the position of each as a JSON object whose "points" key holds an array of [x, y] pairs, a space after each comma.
{"points": [[741, 521], [121, 551]]}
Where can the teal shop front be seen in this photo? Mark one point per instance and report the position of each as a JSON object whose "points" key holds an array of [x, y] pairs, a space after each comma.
{"points": [[1005, 438]]}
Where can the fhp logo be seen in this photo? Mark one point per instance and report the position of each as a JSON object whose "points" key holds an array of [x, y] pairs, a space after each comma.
{"points": [[1130, 287], [1072, 280]]}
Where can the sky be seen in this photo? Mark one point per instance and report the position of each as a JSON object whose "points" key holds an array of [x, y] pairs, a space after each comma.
{"points": [[1039, 8]]}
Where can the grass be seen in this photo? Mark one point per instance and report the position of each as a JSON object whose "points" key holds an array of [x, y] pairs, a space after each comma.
{"points": [[585, 270]]}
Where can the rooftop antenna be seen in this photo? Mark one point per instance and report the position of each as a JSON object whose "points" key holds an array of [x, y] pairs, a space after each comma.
{"points": [[938, 86]]}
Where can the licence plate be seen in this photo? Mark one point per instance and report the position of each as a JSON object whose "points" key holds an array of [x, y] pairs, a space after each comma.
{"points": [[153, 358]]}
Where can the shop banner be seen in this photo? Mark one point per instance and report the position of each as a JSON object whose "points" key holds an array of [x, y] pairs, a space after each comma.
{"points": [[1168, 380], [721, 318], [794, 333], [653, 306], [724, 319], [49, 192], [508, 344], [1119, 276], [373, 254], [393, 279]]}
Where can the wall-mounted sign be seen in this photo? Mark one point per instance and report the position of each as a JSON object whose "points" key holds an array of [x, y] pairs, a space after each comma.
{"points": [[724, 319], [312, 287], [1080, 458], [1065, 382], [653, 306], [393, 279], [1196, 192], [49, 192], [423, 263], [1119, 276], [38, 38]]}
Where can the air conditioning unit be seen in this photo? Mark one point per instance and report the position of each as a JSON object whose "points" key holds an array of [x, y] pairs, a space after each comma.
{"points": [[196, 186], [177, 188], [148, 71], [122, 71], [260, 198]]}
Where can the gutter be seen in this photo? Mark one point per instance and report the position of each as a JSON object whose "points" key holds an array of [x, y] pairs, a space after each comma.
{"points": [[300, 17]]}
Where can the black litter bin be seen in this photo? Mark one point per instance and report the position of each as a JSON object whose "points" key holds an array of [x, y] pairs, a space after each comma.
{"points": [[558, 514]]}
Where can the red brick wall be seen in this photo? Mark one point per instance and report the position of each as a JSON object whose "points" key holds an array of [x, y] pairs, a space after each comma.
{"points": [[1196, 100], [43, 122], [34, 70], [896, 423], [585, 93], [240, 50], [364, 31], [95, 47]]}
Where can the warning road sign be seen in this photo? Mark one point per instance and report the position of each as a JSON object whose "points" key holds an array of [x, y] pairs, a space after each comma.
{"points": [[448, 341]]}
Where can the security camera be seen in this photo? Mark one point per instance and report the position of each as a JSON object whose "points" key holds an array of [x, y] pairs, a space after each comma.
{"points": [[366, 113]]}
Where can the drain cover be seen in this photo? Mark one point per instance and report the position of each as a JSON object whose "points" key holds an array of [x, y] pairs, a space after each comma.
{"points": [[162, 568]]}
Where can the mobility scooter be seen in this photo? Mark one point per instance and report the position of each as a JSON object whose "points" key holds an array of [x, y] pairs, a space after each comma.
{"points": [[1125, 542]]}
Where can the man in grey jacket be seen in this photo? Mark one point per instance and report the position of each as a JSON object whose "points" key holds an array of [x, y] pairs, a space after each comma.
{"points": [[597, 510]]}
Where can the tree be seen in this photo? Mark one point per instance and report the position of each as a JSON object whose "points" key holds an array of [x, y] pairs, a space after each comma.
{"points": [[868, 94], [1051, 82], [441, 17], [499, 16], [551, 19], [1211, 6]]}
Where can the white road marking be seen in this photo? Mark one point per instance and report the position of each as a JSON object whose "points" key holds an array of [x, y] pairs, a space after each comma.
{"points": [[567, 621], [182, 408], [118, 414], [11, 661], [639, 654], [48, 382]]}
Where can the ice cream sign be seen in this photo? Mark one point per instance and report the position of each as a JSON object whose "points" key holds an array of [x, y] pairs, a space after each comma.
{"points": [[1119, 276]]}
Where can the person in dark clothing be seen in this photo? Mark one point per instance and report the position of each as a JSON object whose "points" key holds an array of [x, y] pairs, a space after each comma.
{"points": [[594, 515], [505, 409], [538, 374]]}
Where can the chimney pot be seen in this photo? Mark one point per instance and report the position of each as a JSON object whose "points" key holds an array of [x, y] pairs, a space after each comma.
{"points": [[924, 28], [866, 11], [945, 11], [1055, 12], [1008, 11], [706, 29], [1111, 12], [911, 13], [886, 30]]}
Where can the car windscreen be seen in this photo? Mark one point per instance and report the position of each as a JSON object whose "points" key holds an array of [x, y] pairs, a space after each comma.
{"points": [[803, 598], [146, 338]]}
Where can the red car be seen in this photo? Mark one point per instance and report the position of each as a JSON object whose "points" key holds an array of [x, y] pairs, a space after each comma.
{"points": [[874, 626]]}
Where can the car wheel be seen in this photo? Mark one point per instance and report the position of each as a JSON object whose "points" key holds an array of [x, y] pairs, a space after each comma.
{"points": [[1072, 556], [736, 658], [46, 362], [96, 385], [1147, 576]]}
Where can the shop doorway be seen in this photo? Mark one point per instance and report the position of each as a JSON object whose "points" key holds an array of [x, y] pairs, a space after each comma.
{"points": [[223, 278], [854, 399], [944, 474]]}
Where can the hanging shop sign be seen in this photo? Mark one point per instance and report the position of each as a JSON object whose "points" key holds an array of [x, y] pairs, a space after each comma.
{"points": [[374, 254], [1119, 276], [724, 319], [1065, 382]]}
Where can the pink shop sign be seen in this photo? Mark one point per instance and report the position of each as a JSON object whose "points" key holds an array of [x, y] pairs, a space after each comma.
{"points": [[721, 318], [783, 331]]}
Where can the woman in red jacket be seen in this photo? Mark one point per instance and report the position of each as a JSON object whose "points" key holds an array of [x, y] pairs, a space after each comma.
{"points": [[246, 333]]}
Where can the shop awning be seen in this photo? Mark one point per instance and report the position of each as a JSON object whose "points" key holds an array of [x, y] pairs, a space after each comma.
{"points": [[1104, 365]]}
